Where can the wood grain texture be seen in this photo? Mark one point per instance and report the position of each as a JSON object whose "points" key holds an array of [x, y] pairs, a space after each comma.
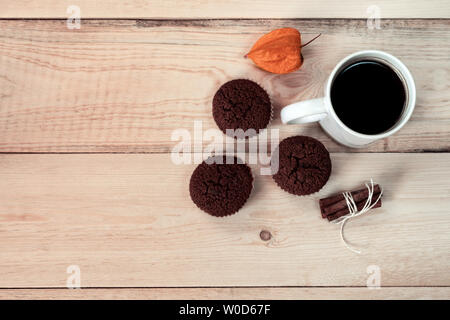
{"points": [[230, 293], [124, 86], [127, 221], [170, 9]]}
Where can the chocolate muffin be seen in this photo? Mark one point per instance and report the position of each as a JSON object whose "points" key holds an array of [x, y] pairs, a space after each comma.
{"points": [[221, 185], [242, 104], [304, 165]]}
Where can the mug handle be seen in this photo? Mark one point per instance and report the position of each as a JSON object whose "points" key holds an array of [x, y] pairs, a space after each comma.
{"points": [[304, 111]]}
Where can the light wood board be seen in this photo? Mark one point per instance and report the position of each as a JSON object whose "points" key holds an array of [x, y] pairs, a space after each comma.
{"points": [[128, 221], [230, 293], [189, 9], [122, 84], [125, 86]]}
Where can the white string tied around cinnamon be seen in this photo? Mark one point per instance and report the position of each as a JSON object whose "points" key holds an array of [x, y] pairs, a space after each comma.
{"points": [[353, 211]]}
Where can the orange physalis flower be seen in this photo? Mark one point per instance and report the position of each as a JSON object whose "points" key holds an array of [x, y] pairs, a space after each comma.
{"points": [[278, 51]]}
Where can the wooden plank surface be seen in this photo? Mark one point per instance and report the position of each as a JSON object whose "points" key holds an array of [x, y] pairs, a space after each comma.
{"points": [[127, 221], [189, 9], [125, 85], [230, 293]]}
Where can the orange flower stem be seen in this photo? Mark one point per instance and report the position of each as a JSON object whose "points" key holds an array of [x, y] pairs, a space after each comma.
{"points": [[304, 45]]}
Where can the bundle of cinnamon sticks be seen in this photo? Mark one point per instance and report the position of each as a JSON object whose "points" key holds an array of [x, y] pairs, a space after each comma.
{"points": [[336, 206]]}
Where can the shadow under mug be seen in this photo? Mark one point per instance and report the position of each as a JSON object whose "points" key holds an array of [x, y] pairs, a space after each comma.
{"points": [[321, 109]]}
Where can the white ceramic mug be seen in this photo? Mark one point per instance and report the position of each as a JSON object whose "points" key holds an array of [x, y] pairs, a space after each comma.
{"points": [[321, 109]]}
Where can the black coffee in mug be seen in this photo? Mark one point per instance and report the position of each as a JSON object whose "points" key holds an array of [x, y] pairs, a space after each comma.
{"points": [[368, 97]]}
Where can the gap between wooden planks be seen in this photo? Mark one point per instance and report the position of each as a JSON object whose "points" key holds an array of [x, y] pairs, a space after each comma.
{"points": [[173, 9], [125, 85], [230, 293], [128, 221]]}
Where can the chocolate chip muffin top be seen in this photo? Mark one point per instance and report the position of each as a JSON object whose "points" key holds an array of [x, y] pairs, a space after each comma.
{"points": [[304, 165], [241, 104], [221, 185]]}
